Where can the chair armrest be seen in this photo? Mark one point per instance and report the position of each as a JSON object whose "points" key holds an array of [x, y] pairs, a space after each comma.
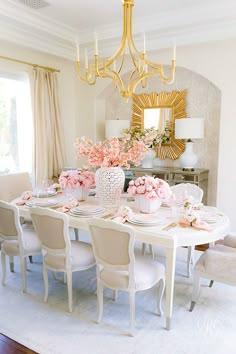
{"points": [[230, 240], [221, 263]]}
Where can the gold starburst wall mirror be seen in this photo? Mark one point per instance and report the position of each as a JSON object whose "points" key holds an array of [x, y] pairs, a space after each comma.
{"points": [[160, 111]]}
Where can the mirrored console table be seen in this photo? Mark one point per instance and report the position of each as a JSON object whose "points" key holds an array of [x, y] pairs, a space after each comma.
{"points": [[172, 175]]}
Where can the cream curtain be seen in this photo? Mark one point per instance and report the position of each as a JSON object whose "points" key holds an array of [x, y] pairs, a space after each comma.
{"points": [[49, 156]]}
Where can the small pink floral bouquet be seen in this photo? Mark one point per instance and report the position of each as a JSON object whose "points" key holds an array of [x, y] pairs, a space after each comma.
{"points": [[149, 186], [75, 178], [112, 152]]}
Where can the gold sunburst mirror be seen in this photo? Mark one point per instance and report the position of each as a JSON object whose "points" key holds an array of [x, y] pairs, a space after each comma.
{"points": [[161, 110]]}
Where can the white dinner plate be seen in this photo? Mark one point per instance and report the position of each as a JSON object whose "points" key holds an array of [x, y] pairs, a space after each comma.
{"points": [[139, 219], [88, 209], [209, 217], [41, 203], [43, 194]]}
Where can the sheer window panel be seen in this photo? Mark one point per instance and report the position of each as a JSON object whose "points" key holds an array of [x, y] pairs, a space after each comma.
{"points": [[16, 124]]}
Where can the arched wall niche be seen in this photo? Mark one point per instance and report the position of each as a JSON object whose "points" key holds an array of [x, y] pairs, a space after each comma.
{"points": [[203, 100]]}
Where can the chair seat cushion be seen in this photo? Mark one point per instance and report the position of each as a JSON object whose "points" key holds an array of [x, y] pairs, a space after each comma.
{"points": [[82, 257], [147, 273], [10, 247], [218, 260], [31, 244], [31, 241]]}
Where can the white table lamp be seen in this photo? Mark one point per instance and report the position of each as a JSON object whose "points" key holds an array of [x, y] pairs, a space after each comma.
{"points": [[187, 129], [114, 127]]}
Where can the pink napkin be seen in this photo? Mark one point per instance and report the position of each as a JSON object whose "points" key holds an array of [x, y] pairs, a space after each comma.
{"points": [[199, 225], [25, 196], [122, 213], [71, 203]]}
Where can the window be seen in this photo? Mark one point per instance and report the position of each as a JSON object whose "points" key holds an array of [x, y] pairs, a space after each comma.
{"points": [[16, 126]]}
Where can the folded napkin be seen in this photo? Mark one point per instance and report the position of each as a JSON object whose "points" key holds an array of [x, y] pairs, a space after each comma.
{"points": [[122, 214], [25, 196], [197, 224], [71, 203]]}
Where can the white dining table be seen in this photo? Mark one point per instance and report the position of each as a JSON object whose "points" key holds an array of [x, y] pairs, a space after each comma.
{"points": [[170, 239]]}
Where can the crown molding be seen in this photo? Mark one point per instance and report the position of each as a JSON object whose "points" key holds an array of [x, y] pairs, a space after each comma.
{"points": [[194, 24]]}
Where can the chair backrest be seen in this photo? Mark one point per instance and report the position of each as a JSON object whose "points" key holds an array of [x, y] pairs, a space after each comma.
{"points": [[12, 185], [52, 228], [113, 246], [10, 228], [191, 191]]}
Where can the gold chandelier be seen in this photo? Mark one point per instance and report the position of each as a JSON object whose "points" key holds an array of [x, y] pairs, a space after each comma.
{"points": [[112, 67]]}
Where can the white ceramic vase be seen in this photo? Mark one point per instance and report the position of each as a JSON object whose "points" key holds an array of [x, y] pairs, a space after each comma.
{"points": [[109, 185], [81, 193], [147, 161], [147, 205]]}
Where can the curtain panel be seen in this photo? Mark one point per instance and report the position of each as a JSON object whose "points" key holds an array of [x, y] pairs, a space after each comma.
{"points": [[48, 155]]}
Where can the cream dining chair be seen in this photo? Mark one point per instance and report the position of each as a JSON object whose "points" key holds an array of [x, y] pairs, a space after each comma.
{"points": [[117, 266], [182, 191], [16, 241], [217, 263], [60, 254], [12, 185]]}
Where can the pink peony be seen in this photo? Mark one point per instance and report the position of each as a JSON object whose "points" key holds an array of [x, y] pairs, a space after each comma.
{"points": [[75, 178], [151, 187]]}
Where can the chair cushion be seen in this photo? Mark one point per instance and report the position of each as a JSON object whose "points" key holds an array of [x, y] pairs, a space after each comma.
{"points": [[10, 247], [147, 273], [81, 257], [219, 260], [31, 242]]}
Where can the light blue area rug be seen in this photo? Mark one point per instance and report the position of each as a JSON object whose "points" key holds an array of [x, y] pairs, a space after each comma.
{"points": [[50, 329]]}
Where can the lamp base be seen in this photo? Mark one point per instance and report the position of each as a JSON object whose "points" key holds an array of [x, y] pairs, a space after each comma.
{"points": [[188, 159]]}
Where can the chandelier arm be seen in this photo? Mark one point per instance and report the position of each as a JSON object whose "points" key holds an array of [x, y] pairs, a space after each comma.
{"points": [[87, 76], [159, 68]]}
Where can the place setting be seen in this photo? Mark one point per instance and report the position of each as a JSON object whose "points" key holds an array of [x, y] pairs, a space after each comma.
{"points": [[87, 210], [145, 219]]}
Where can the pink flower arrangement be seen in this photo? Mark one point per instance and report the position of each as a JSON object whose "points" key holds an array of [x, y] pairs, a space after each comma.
{"points": [[75, 178], [112, 152], [151, 187]]}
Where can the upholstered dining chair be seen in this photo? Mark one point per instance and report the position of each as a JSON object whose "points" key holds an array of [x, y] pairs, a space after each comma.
{"points": [[182, 191], [60, 254], [12, 185], [16, 241], [117, 266], [217, 263]]}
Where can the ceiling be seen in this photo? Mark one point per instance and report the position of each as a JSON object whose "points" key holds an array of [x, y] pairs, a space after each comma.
{"points": [[54, 27]]}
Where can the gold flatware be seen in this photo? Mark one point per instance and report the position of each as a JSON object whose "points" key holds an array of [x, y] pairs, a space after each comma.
{"points": [[168, 227], [107, 216]]}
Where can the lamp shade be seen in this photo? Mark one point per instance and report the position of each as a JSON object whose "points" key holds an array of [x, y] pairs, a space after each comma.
{"points": [[189, 128], [114, 127]]}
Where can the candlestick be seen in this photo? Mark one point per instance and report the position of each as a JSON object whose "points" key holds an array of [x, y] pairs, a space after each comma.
{"points": [[86, 58], [96, 43], [77, 49]]}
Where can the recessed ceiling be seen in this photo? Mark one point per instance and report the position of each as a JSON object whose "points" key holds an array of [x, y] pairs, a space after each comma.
{"points": [[55, 27]]}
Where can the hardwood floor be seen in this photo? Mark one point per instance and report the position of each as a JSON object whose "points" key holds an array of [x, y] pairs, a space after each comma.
{"points": [[9, 346]]}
